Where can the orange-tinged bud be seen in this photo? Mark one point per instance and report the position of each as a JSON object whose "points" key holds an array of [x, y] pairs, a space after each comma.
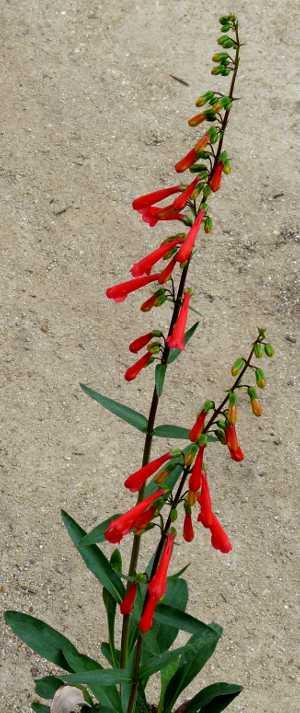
{"points": [[191, 498], [196, 119], [232, 414], [256, 407]]}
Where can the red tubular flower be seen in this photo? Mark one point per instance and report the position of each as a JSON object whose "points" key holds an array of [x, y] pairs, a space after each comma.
{"points": [[137, 479], [180, 202], [121, 291], [145, 265], [198, 426], [154, 301], [192, 155], [143, 520], [133, 371], [167, 272], [206, 515], [188, 530], [157, 586], [149, 199], [187, 246], [176, 338], [215, 180], [140, 342], [235, 450], [219, 538], [127, 603], [120, 527], [152, 215], [195, 480]]}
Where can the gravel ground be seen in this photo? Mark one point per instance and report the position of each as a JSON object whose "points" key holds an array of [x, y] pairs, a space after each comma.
{"points": [[90, 118]]}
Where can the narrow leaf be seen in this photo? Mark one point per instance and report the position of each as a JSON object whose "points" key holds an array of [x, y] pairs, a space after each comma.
{"points": [[160, 373], [214, 698], [47, 686], [94, 559], [195, 655], [134, 418], [181, 620], [105, 677], [97, 534], [44, 640], [168, 431], [158, 662], [174, 353], [81, 663]]}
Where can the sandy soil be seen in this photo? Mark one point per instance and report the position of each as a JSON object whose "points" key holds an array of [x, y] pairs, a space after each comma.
{"points": [[90, 118]]}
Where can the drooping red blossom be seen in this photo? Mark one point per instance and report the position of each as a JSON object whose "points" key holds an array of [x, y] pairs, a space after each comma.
{"points": [[157, 586], [145, 265], [188, 530], [167, 271], [140, 342], [145, 201], [192, 155], [198, 426], [232, 442], [153, 214], [127, 603], [122, 525], [195, 480], [133, 371], [176, 338], [180, 202], [121, 291], [216, 178], [206, 514], [219, 538], [136, 480], [143, 520], [152, 301], [187, 246]]}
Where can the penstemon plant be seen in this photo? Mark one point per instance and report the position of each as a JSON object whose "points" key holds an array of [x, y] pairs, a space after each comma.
{"points": [[151, 603]]}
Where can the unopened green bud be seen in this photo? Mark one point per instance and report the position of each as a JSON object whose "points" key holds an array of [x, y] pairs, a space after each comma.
{"points": [[227, 167], [176, 452], [203, 440], [258, 350], [153, 347], [226, 27], [238, 366], [208, 224], [224, 19], [160, 300], [232, 398], [219, 56], [225, 71], [203, 154], [210, 115], [226, 102], [260, 378], [204, 98], [173, 515], [156, 333], [221, 424], [213, 134], [269, 350], [226, 41], [187, 221], [217, 70], [208, 405], [199, 168], [206, 191], [221, 436]]}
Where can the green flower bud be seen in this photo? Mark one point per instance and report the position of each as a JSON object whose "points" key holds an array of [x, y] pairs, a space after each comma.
{"points": [[210, 115], [269, 350], [260, 378], [238, 366], [208, 224], [226, 103], [226, 41], [213, 135], [187, 221], [252, 393], [221, 436], [203, 440], [227, 167], [258, 350], [222, 424], [199, 168], [226, 27], [154, 347], [208, 405], [225, 71], [204, 98], [173, 515], [203, 154], [224, 19], [156, 333], [216, 70], [232, 398], [219, 56], [206, 191]]}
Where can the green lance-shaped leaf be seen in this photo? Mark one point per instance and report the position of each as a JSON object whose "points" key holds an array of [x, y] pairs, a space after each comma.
{"points": [[110, 603], [175, 353], [165, 675], [172, 616], [104, 677], [160, 373], [94, 559], [40, 637], [47, 686], [169, 431], [196, 653], [97, 534], [134, 418], [214, 698], [80, 663]]}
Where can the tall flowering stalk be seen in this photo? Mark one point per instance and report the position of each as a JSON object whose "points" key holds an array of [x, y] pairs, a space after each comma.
{"points": [[152, 602]]}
